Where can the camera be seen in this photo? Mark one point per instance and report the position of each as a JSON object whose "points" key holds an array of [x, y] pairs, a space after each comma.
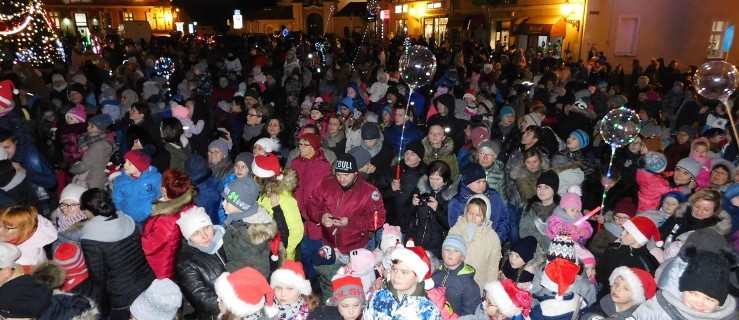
{"points": [[424, 197]]}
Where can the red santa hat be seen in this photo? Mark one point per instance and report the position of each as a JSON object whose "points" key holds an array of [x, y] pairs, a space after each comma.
{"points": [[245, 292], [291, 275], [469, 94], [643, 229], [642, 284], [559, 275], [511, 300], [274, 247], [266, 166], [7, 90], [417, 259]]}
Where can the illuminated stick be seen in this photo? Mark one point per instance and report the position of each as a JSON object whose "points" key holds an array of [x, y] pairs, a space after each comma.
{"points": [[585, 217]]}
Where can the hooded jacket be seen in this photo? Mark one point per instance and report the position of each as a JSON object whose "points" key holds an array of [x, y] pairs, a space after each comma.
{"points": [[444, 153], [461, 289], [160, 238], [533, 222], [498, 212], [135, 196], [115, 260], [429, 227], [483, 246], [287, 207], [309, 172], [32, 250], [246, 241]]}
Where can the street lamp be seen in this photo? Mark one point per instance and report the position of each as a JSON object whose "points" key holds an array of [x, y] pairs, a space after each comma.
{"points": [[417, 14], [570, 9]]}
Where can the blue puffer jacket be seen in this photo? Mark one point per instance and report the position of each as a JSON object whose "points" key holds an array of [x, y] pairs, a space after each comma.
{"points": [[223, 183], [393, 133], [135, 197], [358, 100], [498, 215], [209, 196], [38, 170]]}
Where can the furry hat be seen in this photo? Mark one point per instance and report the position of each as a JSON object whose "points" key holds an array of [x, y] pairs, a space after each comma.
{"points": [[417, 259], [640, 282], [291, 275], [391, 236], [245, 292]]}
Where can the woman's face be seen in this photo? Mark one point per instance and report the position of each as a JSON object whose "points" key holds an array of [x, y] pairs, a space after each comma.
{"points": [[8, 232], [350, 308], [70, 208], [719, 176], [273, 127], [135, 115], [486, 157], [334, 125], [670, 205], [533, 164], [306, 150], [436, 181], [215, 155], [682, 176], [635, 146], [436, 135], [253, 117], [544, 192], [203, 237], [703, 209]]}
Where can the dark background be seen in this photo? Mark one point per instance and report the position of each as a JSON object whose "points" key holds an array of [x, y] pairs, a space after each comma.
{"points": [[216, 12]]}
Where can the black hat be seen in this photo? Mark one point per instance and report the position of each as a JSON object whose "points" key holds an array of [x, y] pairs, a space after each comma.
{"points": [[79, 88], [370, 131], [345, 163], [525, 248], [24, 297], [197, 168], [549, 178], [707, 272], [447, 100], [417, 147], [471, 173], [252, 93]]}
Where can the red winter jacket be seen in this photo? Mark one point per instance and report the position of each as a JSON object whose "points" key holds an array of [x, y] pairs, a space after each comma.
{"points": [[160, 238], [362, 204], [310, 172]]}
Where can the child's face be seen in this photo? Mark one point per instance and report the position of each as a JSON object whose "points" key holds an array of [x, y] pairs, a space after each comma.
{"points": [[71, 120], [701, 151], [478, 187], [489, 306], [590, 271], [620, 291], [628, 240], [315, 115], [670, 205], [515, 260], [452, 258], [229, 208], [682, 137], [573, 213], [403, 278], [475, 214], [350, 308], [682, 176], [573, 144], [544, 192], [241, 169], [508, 119], [70, 207], [286, 294], [699, 302], [130, 169]]}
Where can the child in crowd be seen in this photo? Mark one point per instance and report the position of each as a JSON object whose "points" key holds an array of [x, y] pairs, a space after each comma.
{"points": [[184, 114], [160, 300], [588, 264], [361, 265], [293, 297], [652, 185], [630, 287], [482, 243], [502, 300], [346, 301], [457, 276], [245, 294], [404, 296], [629, 251], [522, 261], [96, 148], [576, 142], [138, 187], [71, 133], [391, 238], [474, 183], [699, 152], [671, 201], [612, 223], [566, 217], [316, 117]]}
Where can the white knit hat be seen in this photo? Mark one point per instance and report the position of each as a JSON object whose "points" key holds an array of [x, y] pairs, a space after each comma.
{"points": [[72, 192], [267, 143], [193, 220]]}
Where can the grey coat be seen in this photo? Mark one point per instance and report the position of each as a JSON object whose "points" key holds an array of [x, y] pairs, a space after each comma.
{"points": [[89, 170]]}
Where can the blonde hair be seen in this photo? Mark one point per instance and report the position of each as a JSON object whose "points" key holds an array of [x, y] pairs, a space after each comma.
{"points": [[23, 218], [707, 194]]}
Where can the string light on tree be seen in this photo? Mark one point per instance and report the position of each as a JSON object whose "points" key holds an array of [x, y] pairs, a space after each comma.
{"points": [[27, 33]]}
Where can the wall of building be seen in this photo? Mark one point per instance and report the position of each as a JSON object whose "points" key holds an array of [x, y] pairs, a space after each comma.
{"points": [[671, 29]]}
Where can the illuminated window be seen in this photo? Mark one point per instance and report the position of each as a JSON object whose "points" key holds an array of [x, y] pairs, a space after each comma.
{"points": [[80, 19], [54, 16], [398, 9], [127, 16], [715, 39], [405, 8], [433, 5]]}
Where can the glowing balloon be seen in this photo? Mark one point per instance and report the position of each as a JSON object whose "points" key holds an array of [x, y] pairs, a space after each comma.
{"points": [[164, 67], [417, 66], [716, 79], [619, 127]]}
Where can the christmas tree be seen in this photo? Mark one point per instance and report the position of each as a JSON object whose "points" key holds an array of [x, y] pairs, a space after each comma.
{"points": [[27, 33]]}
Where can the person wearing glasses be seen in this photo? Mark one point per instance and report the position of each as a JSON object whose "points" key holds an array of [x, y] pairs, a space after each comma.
{"points": [[24, 227], [68, 218]]}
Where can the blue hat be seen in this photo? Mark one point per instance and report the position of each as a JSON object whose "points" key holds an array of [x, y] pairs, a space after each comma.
{"points": [[455, 242], [471, 173], [673, 194], [101, 121], [506, 111], [348, 102], [582, 138]]}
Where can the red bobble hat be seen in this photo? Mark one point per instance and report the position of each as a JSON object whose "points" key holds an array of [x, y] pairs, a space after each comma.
{"points": [[266, 166], [245, 292], [643, 229], [69, 256], [138, 159]]}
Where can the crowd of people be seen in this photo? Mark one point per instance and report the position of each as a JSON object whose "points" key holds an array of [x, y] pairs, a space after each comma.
{"points": [[265, 179]]}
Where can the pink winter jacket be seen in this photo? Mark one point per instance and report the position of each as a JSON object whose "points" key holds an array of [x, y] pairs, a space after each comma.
{"points": [[32, 250], [557, 221], [651, 189]]}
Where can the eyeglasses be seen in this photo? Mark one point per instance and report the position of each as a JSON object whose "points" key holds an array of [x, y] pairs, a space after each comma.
{"points": [[8, 228], [254, 115], [65, 206]]}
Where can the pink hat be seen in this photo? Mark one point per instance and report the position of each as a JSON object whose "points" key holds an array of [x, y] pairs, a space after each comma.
{"points": [[571, 201], [584, 255], [180, 112], [479, 135], [361, 260], [390, 236], [77, 113]]}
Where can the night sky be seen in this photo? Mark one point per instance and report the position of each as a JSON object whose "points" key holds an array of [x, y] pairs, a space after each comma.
{"points": [[215, 12]]}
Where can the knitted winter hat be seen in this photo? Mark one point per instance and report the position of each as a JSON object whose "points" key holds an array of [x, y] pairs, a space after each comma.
{"points": [[361, 260], [242, 193], [690, 165], [391, 236], [325, 255], [582, 138], [506, 111], [471, 173], [347, 287], [362, 156], [69, 256], [455, 242], [291, 275], [193, 220], [549, 178], [346, 163], [24, 297], [643, 229], [101, 121], [642, 284], [510, 300], [625, 206], [417, 259], [313, 139], [655, 162], [138, 159], [78, 87], [479, 135], [417, 147], [370, 131], [77, 113], [9, 253], [585, 256], [559, 275], [72, 192], [707, 272], [180, 112], [571, 201], [160, 300], [490, 145], [219, 144], [246, 157], [563, 247], [673, 194], [688, 130], [707, 239], [525, 248], [245, 292], [266, 166], [447, 100], [533, 119], [267, 143]]}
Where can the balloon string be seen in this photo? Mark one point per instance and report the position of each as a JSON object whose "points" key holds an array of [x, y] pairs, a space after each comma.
{"points": [[608, 177], [725, 101], [402, 133]]}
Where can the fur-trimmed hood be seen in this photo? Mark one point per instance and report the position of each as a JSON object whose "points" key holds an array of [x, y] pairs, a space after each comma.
{"points": [[723, 226], [447, 194], [519, 171], [175, 205], [270, 186], [63, 304], [447, 147]]}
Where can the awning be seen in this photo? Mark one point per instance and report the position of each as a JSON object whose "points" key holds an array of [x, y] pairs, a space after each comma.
{"points": [[475, 21], [553, 26]]}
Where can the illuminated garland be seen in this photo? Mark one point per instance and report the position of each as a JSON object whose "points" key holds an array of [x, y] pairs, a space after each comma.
{"points": [[28, 34]]}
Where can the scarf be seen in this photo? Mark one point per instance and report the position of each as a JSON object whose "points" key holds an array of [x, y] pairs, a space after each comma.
{"points": [[63, 222], [252, 131], [88, 139], [215, 244], [374, 150], [469, 230], [292, 310], [505, 129], [335, 139]]}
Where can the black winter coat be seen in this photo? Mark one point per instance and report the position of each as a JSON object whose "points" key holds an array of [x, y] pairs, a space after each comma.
{"points": [[196, 271], [429, 228], [398, 204], [618, 255]]}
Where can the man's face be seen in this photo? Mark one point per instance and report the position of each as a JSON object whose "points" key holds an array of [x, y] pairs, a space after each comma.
{"points": [[9, 147], [345, 179]]}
